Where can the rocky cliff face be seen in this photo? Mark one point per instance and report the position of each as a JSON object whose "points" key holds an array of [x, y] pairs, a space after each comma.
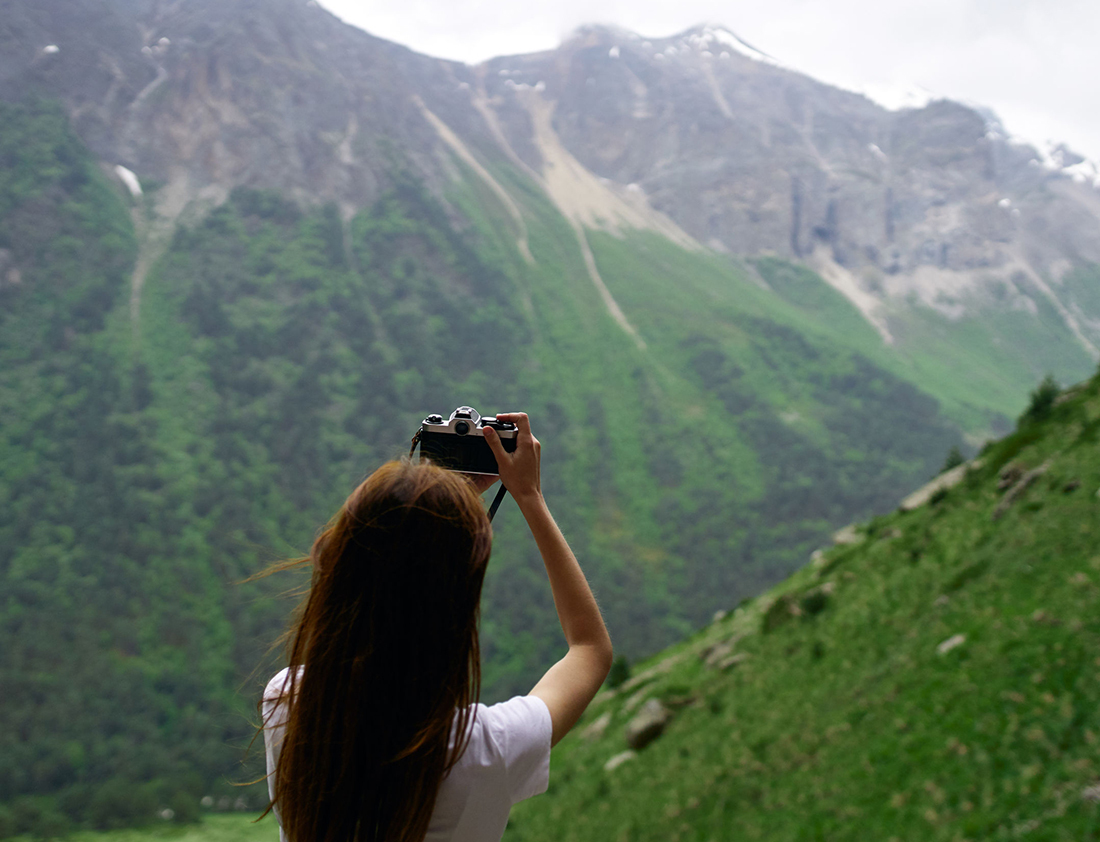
{"points": [[749, 157], [205, 96], [697, 136]]}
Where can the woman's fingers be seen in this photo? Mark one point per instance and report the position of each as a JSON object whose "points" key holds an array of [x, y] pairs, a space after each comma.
{"points": [[519, 471], [493, 441], [520, 419], [482, 482]]}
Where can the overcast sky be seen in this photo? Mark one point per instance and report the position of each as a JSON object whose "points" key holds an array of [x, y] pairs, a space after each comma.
{"points": [[1035, 62]]}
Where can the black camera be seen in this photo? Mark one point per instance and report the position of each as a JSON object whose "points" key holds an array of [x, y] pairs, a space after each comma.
{"points": [[459, 442]]}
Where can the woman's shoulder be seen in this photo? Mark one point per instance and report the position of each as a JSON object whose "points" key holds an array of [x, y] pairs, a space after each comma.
{"points": [[518, 725], [278, 686], [518, 711]]}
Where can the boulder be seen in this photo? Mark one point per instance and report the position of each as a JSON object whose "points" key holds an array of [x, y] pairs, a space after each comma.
{"points": [[718, 651], [647, 725], [597, 728], [619, 759], [1008, 477], [850, 534], [946, 480], [653, 672], [711, 655], [731, 661], [1021, 485], [953, 642]]}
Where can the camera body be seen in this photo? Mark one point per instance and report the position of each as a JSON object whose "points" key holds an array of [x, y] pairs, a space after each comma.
{"points": [[458, 443]]}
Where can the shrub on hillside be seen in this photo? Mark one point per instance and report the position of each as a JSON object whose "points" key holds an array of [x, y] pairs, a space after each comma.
{"points": [[778, 613], [620, 672], [1042, 400], [953, 460], [814, 602]]}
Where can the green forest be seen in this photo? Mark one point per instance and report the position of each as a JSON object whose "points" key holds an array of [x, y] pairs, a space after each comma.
{"points": [[160, 446]]}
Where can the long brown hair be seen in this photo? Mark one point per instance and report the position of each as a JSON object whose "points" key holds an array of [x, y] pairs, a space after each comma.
{"points": [[387, 638]]}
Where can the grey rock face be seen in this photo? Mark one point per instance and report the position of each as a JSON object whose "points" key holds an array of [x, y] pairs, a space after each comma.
{"points": [[275, 94], [761, 158], [647, 725], [932, 205]]}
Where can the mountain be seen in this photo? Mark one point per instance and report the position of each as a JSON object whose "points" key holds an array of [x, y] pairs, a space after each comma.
{"points": [[245, 248], [931, 221], [951, 238], [936, 678]]}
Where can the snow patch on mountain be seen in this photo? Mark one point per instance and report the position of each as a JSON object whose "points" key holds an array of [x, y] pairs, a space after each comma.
{"points": [[1057, 157], [708, 41], [1052, 156], [894, 97], [1085, 172], [709, 36], [129, 179]]}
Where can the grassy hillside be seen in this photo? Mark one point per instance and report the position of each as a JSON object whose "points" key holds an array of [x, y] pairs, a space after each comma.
{"points": [[940, 679]]}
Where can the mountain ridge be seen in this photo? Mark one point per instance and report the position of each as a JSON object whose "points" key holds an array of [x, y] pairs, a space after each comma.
{"points": [[953, 212]]}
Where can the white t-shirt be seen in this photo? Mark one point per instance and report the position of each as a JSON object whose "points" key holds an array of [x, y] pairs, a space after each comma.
{"points": [[506, 761]]}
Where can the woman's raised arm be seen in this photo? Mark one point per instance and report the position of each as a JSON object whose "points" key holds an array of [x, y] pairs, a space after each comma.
{"points": [[569, 685]]}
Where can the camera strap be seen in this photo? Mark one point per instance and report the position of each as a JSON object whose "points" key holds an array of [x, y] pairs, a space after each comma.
{"points": [[496, 501], [500, 492]]}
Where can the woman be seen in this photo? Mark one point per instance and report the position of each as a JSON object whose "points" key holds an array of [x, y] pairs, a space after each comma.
{"points": [[374, 733]]}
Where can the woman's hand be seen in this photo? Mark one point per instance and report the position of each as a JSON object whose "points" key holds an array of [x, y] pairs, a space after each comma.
{"points": [[481, 482], [519, 471]]}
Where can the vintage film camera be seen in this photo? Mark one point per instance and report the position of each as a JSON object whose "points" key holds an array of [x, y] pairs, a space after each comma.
{"points": [[459, 442]]}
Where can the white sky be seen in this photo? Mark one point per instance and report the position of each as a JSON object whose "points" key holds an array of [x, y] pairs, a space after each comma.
{"points": [[1035, 62]]}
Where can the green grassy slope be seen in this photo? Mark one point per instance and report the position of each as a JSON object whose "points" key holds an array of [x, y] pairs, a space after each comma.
{"points": [[976, 366], [844, 719], [979, 361]]}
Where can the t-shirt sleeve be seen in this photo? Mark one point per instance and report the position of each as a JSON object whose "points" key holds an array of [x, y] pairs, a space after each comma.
{"points": [[273, 720], [521, 730]]}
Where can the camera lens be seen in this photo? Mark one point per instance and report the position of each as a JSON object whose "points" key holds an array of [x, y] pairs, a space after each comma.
{"points": [[462, 428]]}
